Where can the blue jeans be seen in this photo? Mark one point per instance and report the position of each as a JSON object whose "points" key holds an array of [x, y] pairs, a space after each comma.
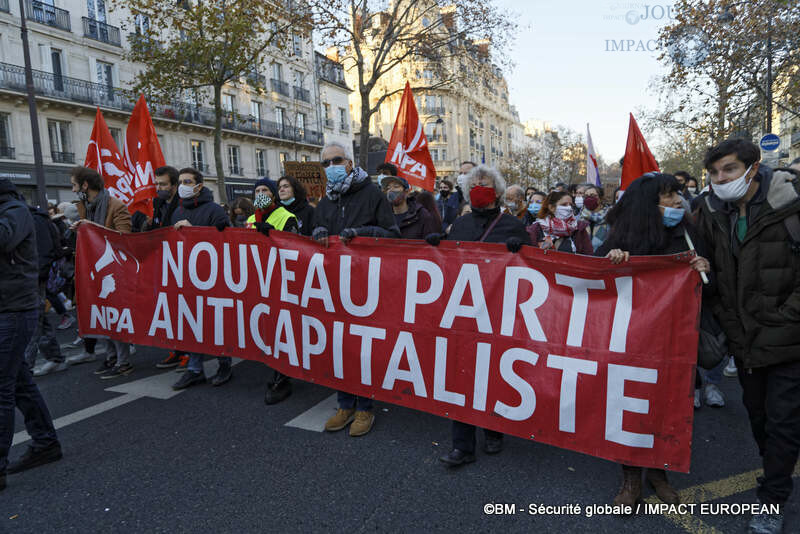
{"points": [[17, 389], [195, 363], [348, 401], [43, 338], [714, 376]]}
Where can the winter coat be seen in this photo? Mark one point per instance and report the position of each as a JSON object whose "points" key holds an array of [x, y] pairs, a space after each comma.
{"points": [[363, 207], [417, 222], [201, 211], [580, 237], [304, 213], [758, 279], [117, 217], [470, 227], [19, 262], [448, 208], [162, 212], [48, 240]]}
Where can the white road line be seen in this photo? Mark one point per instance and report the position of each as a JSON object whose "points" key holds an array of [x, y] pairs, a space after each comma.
{"points": [[157, 387], [314, 418]]}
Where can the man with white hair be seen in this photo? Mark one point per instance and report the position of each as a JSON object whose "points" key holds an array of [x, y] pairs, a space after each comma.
{"points": [[485, 188], [352, 206]]}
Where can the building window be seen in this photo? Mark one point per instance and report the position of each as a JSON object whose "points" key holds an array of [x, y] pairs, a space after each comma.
{"points": [[343, 120], [327, 115], [198, 159], [116, 134], [142, 24], [304, 159], [60, 142], [297, 45], [233, 160], [301, 124], [279, 118], [227, 103], [6, 149], [96, 9], [261, 162], [255, 111], [283, 157], [105, 77], [277, 71]]}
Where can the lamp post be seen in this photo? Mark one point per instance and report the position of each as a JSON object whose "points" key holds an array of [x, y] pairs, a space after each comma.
{"points": [[38, 166]]}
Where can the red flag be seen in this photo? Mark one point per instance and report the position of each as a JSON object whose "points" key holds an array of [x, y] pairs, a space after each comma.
{"points": [[142, 157], [103, 156], [638, 158], [408, 147]]}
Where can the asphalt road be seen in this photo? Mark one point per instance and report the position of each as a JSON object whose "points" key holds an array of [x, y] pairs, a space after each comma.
{"points": [[219, 460]]}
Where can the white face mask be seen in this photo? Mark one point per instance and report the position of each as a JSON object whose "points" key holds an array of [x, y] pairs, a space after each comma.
{"points": [[578, 202], [692, 190], [564, 212], [185, 191], [733, 190]]}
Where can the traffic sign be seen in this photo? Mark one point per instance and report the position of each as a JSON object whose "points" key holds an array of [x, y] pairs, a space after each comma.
{"points": [[770, 142]]}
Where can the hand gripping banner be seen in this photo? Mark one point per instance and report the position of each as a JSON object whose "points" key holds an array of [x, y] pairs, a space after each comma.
{"points": [[561, 349]]}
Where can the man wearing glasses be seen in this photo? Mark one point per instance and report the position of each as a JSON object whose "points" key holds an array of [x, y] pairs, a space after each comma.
{"points": [[352, 206]]}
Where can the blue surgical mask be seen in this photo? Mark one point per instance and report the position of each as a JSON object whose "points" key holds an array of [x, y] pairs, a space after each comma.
{"points": [[672, 216], [335, 173], [534, 207], [287, 202]]}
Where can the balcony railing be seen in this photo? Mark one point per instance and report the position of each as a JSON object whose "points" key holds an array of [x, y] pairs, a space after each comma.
{"points": [[47, 14], [63, 157], [432, 110], [329, 123], [302, 94], [256, 80], [4, 6], [235, 170], [7, 152], [12, 77], [142, 43], [280, 87], [202, 167], [437, 137], [100, 31]]}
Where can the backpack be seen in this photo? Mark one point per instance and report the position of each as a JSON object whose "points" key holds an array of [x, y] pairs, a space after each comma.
{"points": [[792, 224], [48, 241]]}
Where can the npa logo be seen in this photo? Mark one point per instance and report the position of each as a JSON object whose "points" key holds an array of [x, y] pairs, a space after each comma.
{"points": [[113, 267]]}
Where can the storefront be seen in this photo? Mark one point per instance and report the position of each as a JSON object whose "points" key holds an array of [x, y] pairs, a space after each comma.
{"points": [[56, 178]]}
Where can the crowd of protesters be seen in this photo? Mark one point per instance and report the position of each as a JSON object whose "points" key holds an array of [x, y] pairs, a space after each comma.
{"points": [[743, 228]]}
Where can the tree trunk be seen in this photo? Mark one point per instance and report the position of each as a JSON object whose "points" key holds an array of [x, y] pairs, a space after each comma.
{"points": [[223, 194], [363, 148]]}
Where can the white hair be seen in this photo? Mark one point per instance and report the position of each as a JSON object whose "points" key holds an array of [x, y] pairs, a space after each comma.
{"points": [[348, 151], [484, 170]]}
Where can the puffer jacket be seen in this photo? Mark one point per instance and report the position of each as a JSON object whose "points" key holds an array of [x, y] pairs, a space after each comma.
{"points": [[758, 279], [19, 261], [201, 211], [417, 222]]}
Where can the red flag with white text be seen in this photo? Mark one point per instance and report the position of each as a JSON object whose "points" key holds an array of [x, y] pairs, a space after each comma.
{"points": [[143, 156], [103, 156], [408, 147], [638, 158]]}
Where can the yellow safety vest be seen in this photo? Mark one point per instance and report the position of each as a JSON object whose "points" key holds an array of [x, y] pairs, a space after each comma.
{"points": [[277, 219]]}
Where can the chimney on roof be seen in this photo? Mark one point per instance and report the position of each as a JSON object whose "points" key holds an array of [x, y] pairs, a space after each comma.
{"points": [[332, 53]]}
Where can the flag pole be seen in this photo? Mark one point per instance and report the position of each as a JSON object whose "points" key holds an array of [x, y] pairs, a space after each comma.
{"points": [[691, 247]]}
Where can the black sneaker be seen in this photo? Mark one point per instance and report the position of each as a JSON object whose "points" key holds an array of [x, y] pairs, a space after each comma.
{"points": [[493, 445], [189, 378], [107, 365], [224, 373], [117, 371], [278, 391], [457, 457], [35, 457]]}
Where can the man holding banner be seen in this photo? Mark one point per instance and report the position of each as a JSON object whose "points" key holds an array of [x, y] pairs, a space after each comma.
{"points": [[352, 206]]}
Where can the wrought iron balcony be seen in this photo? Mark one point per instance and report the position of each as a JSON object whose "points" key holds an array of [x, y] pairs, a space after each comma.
{"points": [[280, 87], [47, 14], [100, 31], [62, 157], [4, 6], [437, 137], [255, 79], [7, 152], [433, 110], [302, 94], [142, 43]]}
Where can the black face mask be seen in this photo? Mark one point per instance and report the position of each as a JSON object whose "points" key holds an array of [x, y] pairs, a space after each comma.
{"points": [[444, 194]]}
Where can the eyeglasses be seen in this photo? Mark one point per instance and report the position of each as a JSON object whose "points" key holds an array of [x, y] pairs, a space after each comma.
{"points": [[338, 160]]}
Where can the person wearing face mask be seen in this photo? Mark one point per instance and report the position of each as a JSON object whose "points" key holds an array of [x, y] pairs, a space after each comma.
{"points": [[414, 221], [648, 220], [514, 204], [578, 196], [487, 223], [557, 228], [96, 206], [751, 223], [448, 203], [292, 195], [269, 213], [594, 213], [535, 201], [461, 181], [353, 206], [197, 208]]}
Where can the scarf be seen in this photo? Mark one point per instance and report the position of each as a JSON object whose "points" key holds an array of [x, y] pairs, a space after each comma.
{"points": [[261, 215], [334, 191], [97, 210], [594, 217], [555, 228]]}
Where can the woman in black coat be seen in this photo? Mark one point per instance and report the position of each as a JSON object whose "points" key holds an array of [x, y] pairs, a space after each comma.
{"points": [[292, 195], [648, 220], [485, 190]]}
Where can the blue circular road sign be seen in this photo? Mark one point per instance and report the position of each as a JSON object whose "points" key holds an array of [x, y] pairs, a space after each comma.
{"points": [[770, 142]]}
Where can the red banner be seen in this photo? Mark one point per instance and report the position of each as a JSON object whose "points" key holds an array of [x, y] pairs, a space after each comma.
{"points": [[408, 146], [561, 349], [103, 156], [142, 156]]}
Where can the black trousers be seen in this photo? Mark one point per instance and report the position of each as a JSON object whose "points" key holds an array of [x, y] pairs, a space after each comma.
{"points": [[464, 436], [772, 398]]}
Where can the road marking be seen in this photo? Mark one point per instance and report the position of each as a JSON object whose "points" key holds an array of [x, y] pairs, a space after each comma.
{"points": [[711, 491], [158, 386], [314, 418]]}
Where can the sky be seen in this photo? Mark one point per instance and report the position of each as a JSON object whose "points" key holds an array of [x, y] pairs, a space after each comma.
{"points": [[567, 72]]}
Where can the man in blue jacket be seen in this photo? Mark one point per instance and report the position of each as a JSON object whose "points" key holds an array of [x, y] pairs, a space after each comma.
{"points": [[19, 313]]}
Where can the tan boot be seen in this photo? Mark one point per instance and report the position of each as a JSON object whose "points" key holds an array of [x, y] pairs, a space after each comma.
{"points": [[340, 420], [631, 491], [657, 478], [362, 424]]}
